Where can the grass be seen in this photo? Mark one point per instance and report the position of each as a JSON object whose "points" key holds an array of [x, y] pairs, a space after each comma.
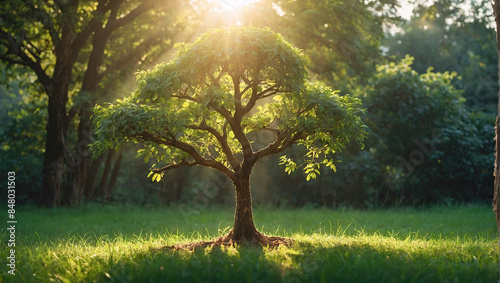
{"points": [[96, 243]]}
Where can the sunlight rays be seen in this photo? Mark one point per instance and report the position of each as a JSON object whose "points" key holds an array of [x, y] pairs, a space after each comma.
{"points": [[229, 12]]}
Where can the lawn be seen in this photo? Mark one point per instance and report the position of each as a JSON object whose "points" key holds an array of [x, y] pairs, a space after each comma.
{"points": [[117, 243]]}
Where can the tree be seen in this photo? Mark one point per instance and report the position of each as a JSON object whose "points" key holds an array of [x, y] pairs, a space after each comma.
{"points": [[496, 172], [202, 107], [453, 35], [69, 47], [425, 146]]}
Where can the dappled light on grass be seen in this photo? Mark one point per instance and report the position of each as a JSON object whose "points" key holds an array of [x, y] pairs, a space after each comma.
{"points": [[124, 244]]}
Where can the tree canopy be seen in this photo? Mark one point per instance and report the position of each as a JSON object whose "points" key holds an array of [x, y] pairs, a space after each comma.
{"points": [[199, 108]]}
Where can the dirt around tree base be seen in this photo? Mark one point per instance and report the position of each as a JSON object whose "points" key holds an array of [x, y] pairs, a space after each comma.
{"points": [[260, 240]]}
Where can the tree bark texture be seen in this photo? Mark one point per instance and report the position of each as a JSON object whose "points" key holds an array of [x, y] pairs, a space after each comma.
{"points": [[57, 127], [244, 228]]}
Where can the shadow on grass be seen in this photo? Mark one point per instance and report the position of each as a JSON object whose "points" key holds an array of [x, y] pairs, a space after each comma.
{"points": [[306, 262], [210, 264]]}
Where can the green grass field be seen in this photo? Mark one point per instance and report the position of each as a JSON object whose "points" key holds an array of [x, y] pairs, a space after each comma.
{"points": [[96, 243]]}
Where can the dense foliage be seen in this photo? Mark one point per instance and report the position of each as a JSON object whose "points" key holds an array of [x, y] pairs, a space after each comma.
{"points": [[344, 42], [200, 107], [423, 146], [23, 116]]}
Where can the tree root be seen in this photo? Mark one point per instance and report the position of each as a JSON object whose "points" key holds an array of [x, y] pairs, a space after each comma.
{"points": [[259, 240]]}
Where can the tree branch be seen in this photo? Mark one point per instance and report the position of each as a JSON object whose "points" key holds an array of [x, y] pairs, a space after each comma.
{"points": [[256, 96], [198, 158], [94, 24], [237, 98], [222, 141], [185, 96], [116, 23], [175, 165], [283, 141], [16, 47], [236, 128]]}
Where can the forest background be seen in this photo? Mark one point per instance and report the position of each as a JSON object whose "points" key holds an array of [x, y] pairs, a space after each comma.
{"points": [[428, 83]]}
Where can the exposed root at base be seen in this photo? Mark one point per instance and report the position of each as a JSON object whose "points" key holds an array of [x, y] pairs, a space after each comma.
{"points": [[259, 241]]}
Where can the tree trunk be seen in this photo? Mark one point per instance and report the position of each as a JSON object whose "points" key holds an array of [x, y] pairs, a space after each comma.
{"points": [[244, 230], [55, 145], [82, 155], [114, 175], [89, 190], [53, 161], [496, 173], [105, 174], [57, 125], [90, 83]]}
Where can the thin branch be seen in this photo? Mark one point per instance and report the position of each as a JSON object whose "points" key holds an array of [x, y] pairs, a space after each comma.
{"points": [[246, 80], [175, 165], [222, 71], [213, 79], [269, 94], [185, 96], [13, 61], [283, 141], [36, 52], [224, 129], [15, 47], [222, 141], [237, 97]]}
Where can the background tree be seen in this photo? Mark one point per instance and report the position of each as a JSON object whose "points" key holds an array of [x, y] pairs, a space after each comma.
{"points": [[70, 47], [202, 107], [456, 37], [424, 144]]}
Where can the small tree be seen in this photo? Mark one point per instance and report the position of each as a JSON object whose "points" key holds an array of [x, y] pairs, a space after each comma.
{"points": [[202, 107]]}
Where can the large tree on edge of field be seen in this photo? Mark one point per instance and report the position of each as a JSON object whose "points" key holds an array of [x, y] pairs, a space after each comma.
{"points": [[67, 44], [496, 173], [203, 106]]}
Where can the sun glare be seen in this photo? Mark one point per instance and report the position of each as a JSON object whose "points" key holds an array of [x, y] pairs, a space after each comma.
{"points": [[230, 10], [231, 5]]}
